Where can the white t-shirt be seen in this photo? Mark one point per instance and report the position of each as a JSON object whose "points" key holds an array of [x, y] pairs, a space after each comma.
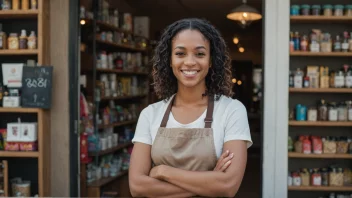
{"points": [[230, 122]]}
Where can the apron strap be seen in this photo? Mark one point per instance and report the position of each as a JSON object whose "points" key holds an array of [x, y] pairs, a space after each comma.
{"points": [[208, 119]]}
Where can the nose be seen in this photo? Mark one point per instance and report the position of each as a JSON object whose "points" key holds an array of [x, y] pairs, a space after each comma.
{"points": [[190, 61]]}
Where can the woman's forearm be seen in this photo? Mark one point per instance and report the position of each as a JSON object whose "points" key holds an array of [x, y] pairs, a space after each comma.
{"points": [[207, 183], [145, 186]]}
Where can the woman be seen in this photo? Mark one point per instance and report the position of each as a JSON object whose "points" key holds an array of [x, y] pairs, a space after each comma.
{"points": [[194, 142]]}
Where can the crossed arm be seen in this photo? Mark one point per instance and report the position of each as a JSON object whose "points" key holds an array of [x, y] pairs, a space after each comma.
{"points": [[166, 181]]}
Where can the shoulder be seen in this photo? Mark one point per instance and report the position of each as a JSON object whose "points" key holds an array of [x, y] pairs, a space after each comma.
{"points": [[155, 109], [230, 105]]}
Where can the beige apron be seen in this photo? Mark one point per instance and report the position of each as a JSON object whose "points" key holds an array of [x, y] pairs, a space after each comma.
{"points": [[186, 148]]}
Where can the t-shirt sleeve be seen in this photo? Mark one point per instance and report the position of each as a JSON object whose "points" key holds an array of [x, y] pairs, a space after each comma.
{"points": [[237, 127], [142, 133]]}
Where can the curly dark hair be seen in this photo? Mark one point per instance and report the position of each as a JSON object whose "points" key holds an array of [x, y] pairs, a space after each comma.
{"points": [[218, 80]]}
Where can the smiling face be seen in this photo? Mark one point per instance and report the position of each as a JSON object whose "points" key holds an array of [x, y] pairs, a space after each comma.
{"points": [[190, 58]]}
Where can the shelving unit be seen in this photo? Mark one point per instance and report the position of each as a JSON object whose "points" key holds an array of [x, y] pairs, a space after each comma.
{"points": [[41, 54], [95, 44], [309, 96]]}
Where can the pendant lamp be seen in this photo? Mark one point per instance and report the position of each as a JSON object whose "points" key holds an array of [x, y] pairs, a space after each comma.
{"points": [[244, 14]]}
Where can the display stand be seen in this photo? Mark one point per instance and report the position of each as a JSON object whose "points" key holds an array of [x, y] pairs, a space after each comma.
{"points": [[41, 54]]}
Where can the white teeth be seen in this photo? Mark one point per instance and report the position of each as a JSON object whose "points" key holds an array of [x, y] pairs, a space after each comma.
{"points": [[189, 72]]}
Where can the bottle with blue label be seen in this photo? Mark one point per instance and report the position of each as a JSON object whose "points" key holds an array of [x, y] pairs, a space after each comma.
{"points": [[301, 112]]}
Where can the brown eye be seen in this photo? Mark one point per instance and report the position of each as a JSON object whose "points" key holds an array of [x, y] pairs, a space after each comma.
{"points": [[179, 53]]}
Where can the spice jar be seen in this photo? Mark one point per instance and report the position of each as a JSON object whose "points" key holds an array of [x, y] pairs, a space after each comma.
{"points": [[327, 10], [348, 10], [329, 145], [314, 43], [342, 112], [298, 78], [347, 177], [339, 79], [13, 41], [338, 10], [322, 111], [326, 44], [324, 177], [32, 41], [299, 146], [15, 4], [294, 11], [305, 9], [332, 78], [316, 10], [296, 179], [312, 114], [332, 112], [316, 178], [305, 177], [342, 145], [317, 145], [348, 78], [25, 4], [337, 44]]}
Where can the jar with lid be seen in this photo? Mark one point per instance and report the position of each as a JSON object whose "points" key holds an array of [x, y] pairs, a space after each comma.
{"points": [[339, 79], [301, 112], [298, 78], [316, 178], [322, 111], [23, 39], [312, 114], [338, 10], [342, 112], [316, 9], [332, 112], [327, 10], [296, 41], [332, 78], [342, 145], [294, 11], [348, 10], [305, 175], [296, 179], [314, 43], [13, 41], [326, 44], [345, 44], [305, 9]]}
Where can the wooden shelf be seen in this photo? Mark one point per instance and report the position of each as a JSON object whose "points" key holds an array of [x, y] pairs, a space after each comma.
{"points": [[117, 124], [321, 90], [104, 181], [111, 150], [321, 19], [19, 110], [31, 154], [18, 52], [11, 14], [121, 46], [123, 97], [322, 156], [121, 72], [320, 123], [320, 188], [327, 54]]}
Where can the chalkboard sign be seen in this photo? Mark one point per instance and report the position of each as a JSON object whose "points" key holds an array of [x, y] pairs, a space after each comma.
{"points": [[36, 87]]}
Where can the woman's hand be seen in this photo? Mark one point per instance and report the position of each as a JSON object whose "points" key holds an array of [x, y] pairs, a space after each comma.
{"points": [[156, 172], [224, 161]]}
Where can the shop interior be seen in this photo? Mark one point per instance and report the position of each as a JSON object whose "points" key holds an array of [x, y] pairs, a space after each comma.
{"points": [[122, 38]]}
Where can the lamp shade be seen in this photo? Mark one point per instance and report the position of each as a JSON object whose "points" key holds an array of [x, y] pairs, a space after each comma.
{"points": [[244, 13]]}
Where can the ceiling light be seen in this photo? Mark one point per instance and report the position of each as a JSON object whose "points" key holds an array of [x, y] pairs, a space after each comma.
{"points": [[244, 14], [241, 49], [239, 82], [234, 80], [236, 40]]}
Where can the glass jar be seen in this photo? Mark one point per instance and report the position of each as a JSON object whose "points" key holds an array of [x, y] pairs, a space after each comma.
{"points": [[338, 10], [322, 111], [332, 112], [314, 43], [348, 10], [324, 177], [339, 79], [305, 9], [316, 9], [312, 114], [326, 44], [332, 78], [342, 112], [349, 110], [294, 10], [13, 42], [337, 44], [327, 10], [304, 43]]}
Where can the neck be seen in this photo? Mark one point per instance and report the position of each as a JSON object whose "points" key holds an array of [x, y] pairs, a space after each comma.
{"points": [[190, 96]]}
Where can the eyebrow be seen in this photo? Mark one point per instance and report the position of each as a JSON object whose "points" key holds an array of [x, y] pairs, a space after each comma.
{"points": [[198, 47]]}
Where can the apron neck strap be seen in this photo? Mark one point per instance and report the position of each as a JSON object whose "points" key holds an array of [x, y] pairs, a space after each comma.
{"points": [[208, 119]]}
